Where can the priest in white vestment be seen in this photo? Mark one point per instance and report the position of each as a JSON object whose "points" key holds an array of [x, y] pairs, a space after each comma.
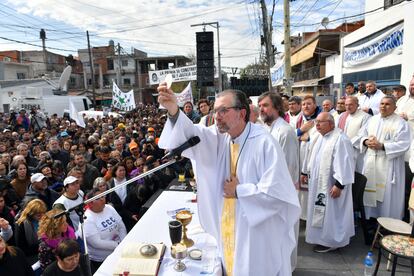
{"points": [[405, 108], [266, 203], [330, 170], [370, 101], [385, 140], [351, 123], [306, 131], [271, 112], [294, 112]]}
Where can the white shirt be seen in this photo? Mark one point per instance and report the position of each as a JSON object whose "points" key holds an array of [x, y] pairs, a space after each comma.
{"points": [[70, 203], [121, 192], [103, 231]]}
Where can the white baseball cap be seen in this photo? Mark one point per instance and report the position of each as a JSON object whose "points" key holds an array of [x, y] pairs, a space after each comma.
{"points": [[69, 180], [37, 177]]}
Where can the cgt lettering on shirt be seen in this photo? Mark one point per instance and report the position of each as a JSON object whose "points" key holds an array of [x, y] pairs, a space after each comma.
{"points": [[108, 222]]}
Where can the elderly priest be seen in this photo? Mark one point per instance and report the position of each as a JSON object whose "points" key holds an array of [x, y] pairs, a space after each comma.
{"points": [[330, 169]]}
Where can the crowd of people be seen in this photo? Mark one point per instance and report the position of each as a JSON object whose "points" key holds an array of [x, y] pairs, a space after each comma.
{"points": [[49, 164]]}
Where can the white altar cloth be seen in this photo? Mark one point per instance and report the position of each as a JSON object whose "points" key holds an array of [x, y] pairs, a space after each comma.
{"points": [[153, 227]]}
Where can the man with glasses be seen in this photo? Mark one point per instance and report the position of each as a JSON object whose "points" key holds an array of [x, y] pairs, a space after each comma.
{"points": [[329, 167], [246, 198]]}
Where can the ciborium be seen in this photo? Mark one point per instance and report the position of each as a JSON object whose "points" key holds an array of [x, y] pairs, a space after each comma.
{"points": [[179, 252], [185, 218]]}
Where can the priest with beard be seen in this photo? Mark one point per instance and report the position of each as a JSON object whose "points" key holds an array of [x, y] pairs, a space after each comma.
{"points": [[246, 198]]}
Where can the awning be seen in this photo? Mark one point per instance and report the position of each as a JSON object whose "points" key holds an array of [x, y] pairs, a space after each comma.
{"points": [[304, 54], [306, 83], [310, 83]]}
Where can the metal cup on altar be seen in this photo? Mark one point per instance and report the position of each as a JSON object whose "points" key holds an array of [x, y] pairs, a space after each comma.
{"points": [[185, 218], [176, 231], [179, 252]]}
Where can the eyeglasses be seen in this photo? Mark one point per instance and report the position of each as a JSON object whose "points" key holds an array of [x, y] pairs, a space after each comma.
{"points": [[321, 121], [223, 110]]}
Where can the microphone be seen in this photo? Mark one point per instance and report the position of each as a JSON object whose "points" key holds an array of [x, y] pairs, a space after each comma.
{"points": [[177, 151]]}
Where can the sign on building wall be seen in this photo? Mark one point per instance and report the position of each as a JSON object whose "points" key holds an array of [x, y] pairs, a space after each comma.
{"points": [[186, 73], [381, 45]]}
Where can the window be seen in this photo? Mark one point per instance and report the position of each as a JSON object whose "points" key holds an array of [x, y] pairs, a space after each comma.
{"points": [[110, 63], [390, 3], [124, 62], [127, 81], [72, 80], [21, 76], [7, 59]]}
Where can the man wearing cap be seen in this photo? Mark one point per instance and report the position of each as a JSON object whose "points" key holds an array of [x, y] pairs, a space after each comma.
{"points": [[134, 150], [39, 189], [72, 197]]}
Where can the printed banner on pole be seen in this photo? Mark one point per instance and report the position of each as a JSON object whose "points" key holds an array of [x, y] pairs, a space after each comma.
{"points": [[74, 115], [370, 51], [186, 73], [278, 72], [122, 101], [185, 96]]}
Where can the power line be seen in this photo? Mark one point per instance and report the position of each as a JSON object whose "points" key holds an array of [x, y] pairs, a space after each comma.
{"points": [[31, 44]]}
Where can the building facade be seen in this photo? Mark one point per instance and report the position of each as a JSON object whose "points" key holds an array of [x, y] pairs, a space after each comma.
{"points": [[382, 49]]}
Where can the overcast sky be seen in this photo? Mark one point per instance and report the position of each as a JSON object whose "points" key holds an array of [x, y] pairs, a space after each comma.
{"points": [[159, 27]]}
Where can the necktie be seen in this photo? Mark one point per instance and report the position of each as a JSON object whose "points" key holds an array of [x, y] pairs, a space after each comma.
{"points": [[228, 217]]}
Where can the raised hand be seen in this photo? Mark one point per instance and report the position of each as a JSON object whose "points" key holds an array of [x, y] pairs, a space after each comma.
{"points": [[166, 98]]}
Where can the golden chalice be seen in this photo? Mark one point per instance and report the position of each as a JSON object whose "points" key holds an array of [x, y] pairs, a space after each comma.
{"points": [[185, 218]]}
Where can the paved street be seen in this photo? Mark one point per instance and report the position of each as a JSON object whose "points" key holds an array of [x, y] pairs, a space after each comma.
{"points": [[345, 261]]}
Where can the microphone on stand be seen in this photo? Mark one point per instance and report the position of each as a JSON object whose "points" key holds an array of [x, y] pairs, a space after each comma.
{"points": [[177, 151]]}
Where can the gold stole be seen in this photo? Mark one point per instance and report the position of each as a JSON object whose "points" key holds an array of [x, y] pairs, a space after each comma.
{"points": [[228, 217]]}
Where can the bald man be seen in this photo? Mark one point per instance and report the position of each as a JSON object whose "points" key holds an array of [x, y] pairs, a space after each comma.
{"points": [[329, 168], [351, 121], [385, 139]]}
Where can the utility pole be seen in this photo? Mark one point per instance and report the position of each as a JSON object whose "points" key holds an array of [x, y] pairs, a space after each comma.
{"points": [[119, 65], [267, 41], [288, 67], [43, 38], [92, 72], [217, 26]]}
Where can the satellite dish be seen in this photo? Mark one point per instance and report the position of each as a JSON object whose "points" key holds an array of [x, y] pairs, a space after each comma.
{"points": [[60, 88], [64, 78], [325, 22]]}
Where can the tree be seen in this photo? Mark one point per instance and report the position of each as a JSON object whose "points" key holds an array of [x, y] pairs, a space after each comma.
{"points": [[254, 70]]}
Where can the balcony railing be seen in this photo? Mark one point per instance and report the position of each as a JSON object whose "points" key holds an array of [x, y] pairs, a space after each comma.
{"points": [[307, 74]]}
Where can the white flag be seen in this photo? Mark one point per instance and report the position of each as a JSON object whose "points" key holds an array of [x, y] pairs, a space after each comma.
{"points": [[185, 96], [74, 115], [122, 101]]}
